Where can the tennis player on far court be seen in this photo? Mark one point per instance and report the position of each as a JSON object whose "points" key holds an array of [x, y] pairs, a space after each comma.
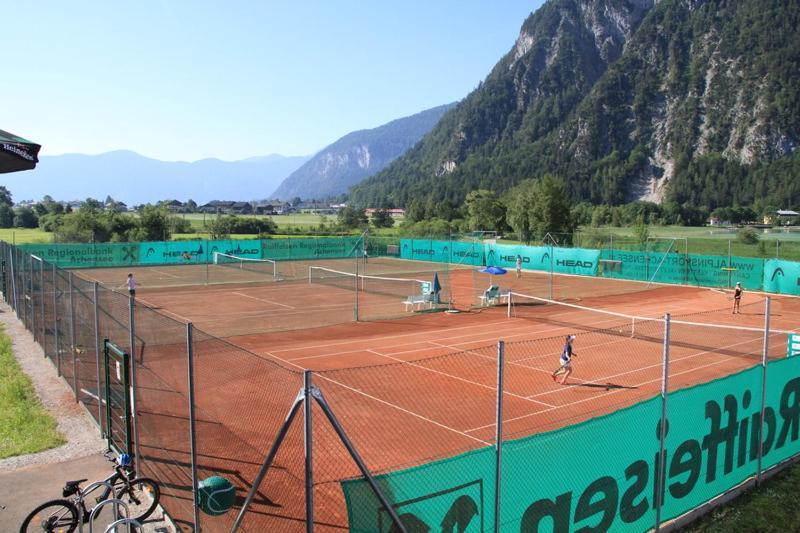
{"points": [[130, 283], [737, 298], [519, 266], [565, 360]]}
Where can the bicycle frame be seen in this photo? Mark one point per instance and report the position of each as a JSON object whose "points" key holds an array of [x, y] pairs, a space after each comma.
{"points": [[109, 483]]}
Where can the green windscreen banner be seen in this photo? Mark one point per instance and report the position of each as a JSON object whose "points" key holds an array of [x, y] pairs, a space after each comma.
{"points": [[425, 250], [311, 248], [86, 255], [553, 481], [782, 277], [673, 267], [182, 252], [579, 261], [467, 253], [793, 346]]}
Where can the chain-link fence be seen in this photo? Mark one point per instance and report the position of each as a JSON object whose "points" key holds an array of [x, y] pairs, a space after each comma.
{"points": [[479, 439]]}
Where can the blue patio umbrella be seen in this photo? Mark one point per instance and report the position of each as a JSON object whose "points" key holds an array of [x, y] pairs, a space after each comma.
{"points": [[493, 271], [436, 288]]}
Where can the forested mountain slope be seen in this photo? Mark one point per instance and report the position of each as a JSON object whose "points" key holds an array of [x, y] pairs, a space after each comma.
{"points": [[686, 100]]}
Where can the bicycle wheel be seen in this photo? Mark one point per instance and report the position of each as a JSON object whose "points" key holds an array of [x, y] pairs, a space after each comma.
{"points": [[55, 515], [141, 495]]}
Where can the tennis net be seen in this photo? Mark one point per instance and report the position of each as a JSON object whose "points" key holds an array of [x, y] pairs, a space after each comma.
{"points": [[263, 266], [387, 286], [726, 339]]}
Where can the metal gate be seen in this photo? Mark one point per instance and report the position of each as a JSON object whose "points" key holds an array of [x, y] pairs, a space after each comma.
{"points": [[117, 398]]}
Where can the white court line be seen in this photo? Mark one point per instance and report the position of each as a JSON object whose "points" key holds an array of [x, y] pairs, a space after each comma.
{"points": [[160, 309], [166, 273], [425, 332], [412, 413], [593, 398], [459, 378], [563, 389], [262, 300], [357, 391], [491, 339], [656, 365], [494, 335]]}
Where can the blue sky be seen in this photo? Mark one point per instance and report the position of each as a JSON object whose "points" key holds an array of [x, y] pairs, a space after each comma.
{"points": [[181, 80]]}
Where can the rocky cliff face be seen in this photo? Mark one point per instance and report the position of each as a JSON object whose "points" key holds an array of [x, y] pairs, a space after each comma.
{"points": [[619, 98], [357, 156]]}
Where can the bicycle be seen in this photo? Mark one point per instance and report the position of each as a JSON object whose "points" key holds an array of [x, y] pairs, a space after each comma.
{"points": [[141, 494]]}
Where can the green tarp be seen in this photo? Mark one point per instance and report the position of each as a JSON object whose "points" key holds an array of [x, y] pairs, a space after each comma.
{"points": [[782, 277], [310, 248], [199, 251], [174, 252], [700, 270], [86, 255], [563, 260], [554, 482]]}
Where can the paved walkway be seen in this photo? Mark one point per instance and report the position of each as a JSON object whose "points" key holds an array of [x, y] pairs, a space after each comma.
{"points": [[29, 480], [23, 489]]}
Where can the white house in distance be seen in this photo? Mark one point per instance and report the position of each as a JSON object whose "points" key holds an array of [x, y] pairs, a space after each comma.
{"points": [[782, 217], [395, 211]]}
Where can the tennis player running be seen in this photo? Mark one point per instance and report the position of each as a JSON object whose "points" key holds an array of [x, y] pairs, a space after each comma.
{"points": [[737, 298], [566, 361]]}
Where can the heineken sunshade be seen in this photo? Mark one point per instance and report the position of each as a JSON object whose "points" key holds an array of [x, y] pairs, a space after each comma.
{"points": [[17, 153]]}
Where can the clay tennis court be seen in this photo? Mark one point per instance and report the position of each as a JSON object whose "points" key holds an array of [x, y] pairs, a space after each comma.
{"points": [[413, 389]]}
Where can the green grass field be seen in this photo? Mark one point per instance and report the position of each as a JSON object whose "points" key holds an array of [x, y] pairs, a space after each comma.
{"points": [[769, 508], [25, 426], [701, 240], [24, 236], [297, 220]]}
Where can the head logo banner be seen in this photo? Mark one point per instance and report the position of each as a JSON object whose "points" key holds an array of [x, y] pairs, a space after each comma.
{"points": [[782, 277]]}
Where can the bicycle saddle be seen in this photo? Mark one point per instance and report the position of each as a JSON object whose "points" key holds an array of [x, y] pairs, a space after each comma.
{"points": [[71, 487]]}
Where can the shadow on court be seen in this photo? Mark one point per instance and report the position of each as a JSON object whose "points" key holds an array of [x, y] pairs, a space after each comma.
{"points": [[606, 386]]}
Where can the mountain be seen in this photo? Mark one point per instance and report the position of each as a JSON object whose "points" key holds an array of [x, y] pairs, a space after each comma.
{"points": [[692, 101], [357, 156], [133, 178]]}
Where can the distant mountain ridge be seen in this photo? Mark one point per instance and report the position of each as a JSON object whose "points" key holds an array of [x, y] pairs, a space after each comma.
{"points": [[357, 155], [686, 101], [132, 178]]}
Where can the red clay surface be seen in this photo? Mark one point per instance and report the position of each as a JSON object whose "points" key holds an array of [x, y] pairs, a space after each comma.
{"points": [[415, 389]]}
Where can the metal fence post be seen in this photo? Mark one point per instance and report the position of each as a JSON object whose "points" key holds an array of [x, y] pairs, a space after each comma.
{"points": [[13, 265], [192, 427], [72, 347], [24, 286], [309, 462], [663, 427], [552, 260], [764, 359], [55, 320], [41, 299], [501, 349], [355, 310], [31, 277], [134, 415], [97, 354]]}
